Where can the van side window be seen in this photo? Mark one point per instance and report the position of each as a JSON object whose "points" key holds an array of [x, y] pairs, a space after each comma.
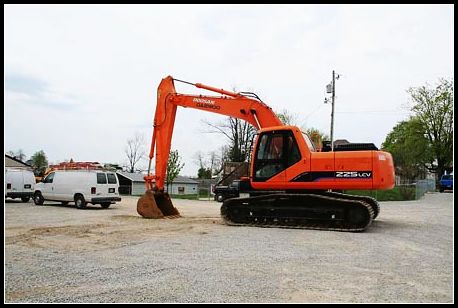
{"points": [[49, 178], [101, 178], [111, 178]]}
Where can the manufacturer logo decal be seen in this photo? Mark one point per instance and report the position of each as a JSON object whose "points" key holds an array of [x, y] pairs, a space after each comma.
{"points": [[353, 174], [206, 103]]}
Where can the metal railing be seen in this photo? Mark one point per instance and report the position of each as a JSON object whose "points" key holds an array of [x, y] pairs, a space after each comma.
{"points": [[424, 186]]}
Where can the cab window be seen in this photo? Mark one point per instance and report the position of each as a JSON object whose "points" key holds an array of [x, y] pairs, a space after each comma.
{"points": [[292, 151], [49, 178], [309, 142], [276, 151]]}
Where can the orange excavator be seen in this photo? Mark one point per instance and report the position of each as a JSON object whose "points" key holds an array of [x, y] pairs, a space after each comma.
{"points": [[291, 184]]}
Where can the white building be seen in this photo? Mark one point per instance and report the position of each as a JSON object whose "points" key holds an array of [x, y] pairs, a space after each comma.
{"points": [[134, 184], [183, 186]]}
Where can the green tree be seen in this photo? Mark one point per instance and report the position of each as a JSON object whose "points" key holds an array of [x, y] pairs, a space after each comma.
{"points": [[204, 173], [209, 164], [317, 136], [410, 149], [39, 163], [174, 166], [433, 106]]}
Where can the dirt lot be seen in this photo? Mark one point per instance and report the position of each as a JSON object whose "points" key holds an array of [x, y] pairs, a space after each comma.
{"points": [[58, 253]]}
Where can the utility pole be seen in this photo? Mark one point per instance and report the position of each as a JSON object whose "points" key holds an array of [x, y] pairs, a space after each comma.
{"points": [[333, 97], [331, 88]]}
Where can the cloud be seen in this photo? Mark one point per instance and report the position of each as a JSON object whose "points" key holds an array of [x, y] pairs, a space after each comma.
{"points": [[87, 75], [33, 91]]}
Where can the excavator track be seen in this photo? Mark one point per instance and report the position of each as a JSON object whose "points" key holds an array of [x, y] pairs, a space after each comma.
{"points": [[371, 201], [332, 212]]}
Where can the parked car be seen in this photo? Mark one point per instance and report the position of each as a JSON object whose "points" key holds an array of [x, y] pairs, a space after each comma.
{"points": [[446, 182], [79, 186], [19, 183], [223, 192]]}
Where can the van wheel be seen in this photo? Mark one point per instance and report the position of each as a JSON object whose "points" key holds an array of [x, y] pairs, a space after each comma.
{"points": [[105, 205], [219, 197], [38, 198], [80, 202], [25, 199]]}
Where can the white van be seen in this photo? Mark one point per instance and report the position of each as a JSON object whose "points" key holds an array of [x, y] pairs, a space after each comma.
{"points": [[79, 186], [19, 183]]}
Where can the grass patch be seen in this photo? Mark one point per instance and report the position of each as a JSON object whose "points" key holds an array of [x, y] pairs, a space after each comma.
{"points": [[204, 193], [398, 193], [190, 197]]}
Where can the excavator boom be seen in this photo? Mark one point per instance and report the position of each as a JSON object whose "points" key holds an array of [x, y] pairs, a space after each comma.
{"points": [[230, 104], [156, 203]]}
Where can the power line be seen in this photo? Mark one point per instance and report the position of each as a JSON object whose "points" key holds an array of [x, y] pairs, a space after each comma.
{"points": [[375, 111], [315, 110]]}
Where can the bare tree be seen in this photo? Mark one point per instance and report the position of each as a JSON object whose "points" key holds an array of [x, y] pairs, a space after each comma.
{"points": [[215, 162], [134, 151], [209, 164], [239, 134], [204, 172], [19, 154], [287, 117]]}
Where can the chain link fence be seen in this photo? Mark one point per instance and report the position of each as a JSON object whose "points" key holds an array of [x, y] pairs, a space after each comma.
{"points": [[402, 191], [424, 186], [405, 190]]}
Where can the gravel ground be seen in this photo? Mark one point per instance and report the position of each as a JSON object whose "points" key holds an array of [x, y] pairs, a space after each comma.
{"points": [[57, 253]]}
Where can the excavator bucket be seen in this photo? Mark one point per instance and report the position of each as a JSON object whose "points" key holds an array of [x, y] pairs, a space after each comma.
{"points": [[156, 204]]}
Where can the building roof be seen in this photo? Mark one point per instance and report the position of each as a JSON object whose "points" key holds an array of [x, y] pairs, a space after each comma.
{"points": [[184, 180], [15, 160], [138, 177], [134, 177]]}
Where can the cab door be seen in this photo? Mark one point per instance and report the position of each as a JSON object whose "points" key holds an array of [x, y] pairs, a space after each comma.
{"points": [[269, 160], [113, 186], [276, 153], [47, 189], [102, 187]]}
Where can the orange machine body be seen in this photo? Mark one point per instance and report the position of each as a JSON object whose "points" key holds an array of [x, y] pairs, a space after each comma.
{"points": [[311, 169], [283, 158]]}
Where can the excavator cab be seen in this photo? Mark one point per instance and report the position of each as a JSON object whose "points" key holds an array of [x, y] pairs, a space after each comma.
{"points": [[275, 151]]}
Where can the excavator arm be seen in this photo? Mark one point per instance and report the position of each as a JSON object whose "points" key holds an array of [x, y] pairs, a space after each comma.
{"points": [[156, 203], [231, 104]]}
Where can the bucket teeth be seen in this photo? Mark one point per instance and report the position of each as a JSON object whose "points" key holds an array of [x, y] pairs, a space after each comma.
{"points": [[156, 205]]}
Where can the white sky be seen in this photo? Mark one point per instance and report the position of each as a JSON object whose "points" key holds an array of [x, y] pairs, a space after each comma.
{"points": [[81, 79]]}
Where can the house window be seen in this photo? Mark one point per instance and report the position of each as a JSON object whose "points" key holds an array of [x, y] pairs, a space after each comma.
{"points": [[181, 190]]}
